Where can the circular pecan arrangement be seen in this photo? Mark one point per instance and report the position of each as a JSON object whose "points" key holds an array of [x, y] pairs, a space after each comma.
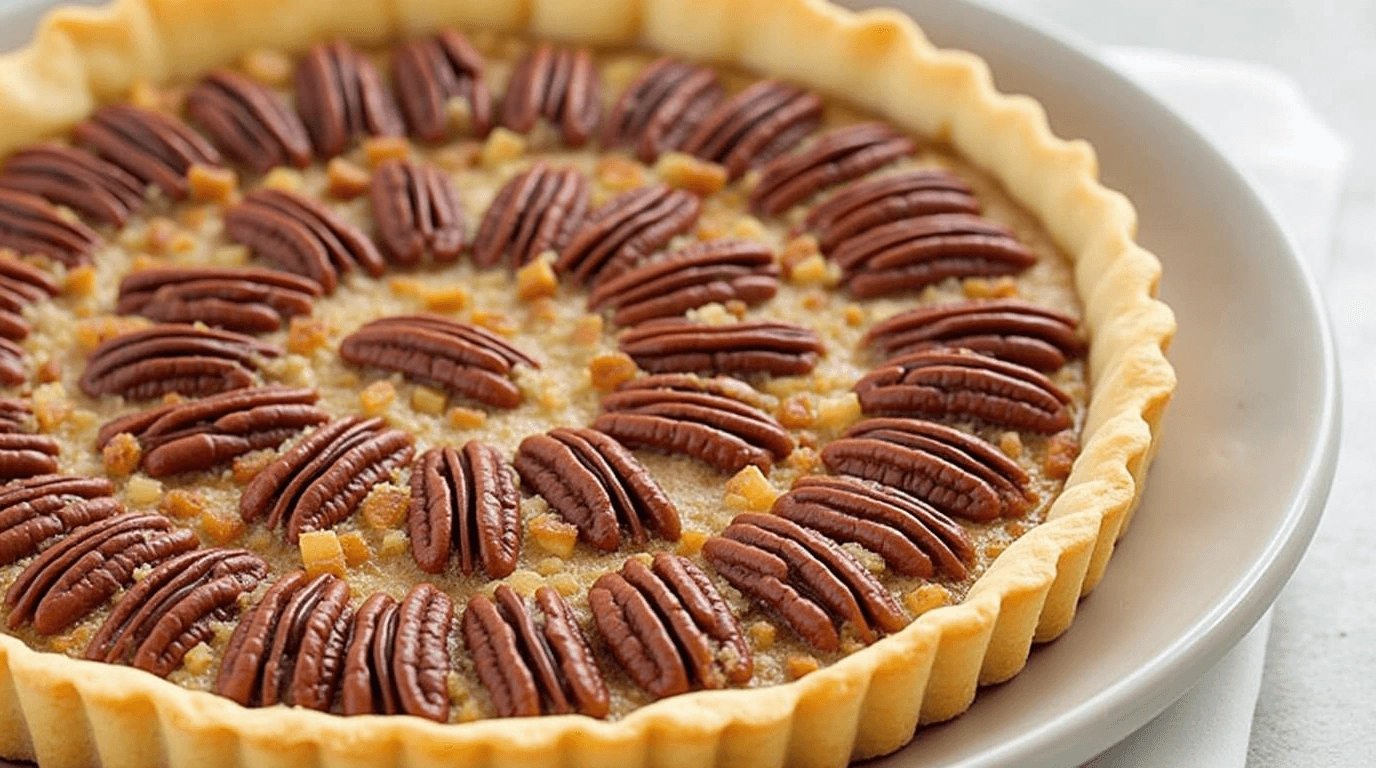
{"points": [[484, 377]]}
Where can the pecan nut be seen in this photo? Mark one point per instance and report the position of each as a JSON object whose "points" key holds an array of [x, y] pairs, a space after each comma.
{"points": [[299, 234], [537, 211], [397, 660], [20, 286], [596, 485], [958, 473], [37, 510], [964, 384], [16, 416], [755, 126], [248, 121], [662, 107], [243, 300], [341, 96], [529, 668], [462, 358], [747, 348], [172, 609], [629, 227], [691, 277], [465, 500], [560, 85], [77, 179], [326, 475], [153, 147], [24, 454], [429, 74], [173, 357], [1010, 329], [833, 158], [417, 212], [12, 357], [30, 224], [865, 204]]}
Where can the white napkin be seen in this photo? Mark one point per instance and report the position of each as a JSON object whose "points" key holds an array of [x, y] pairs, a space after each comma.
{"points": [[1259, 119]]}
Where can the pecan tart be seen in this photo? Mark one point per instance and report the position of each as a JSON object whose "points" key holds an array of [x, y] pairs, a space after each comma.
{"points": [[746, 383]]}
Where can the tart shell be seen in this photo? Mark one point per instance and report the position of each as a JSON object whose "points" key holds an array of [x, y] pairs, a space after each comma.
{"points": [[65, 712]]}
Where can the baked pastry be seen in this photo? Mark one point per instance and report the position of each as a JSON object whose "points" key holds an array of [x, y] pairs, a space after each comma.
{"points": [[449, 363]]}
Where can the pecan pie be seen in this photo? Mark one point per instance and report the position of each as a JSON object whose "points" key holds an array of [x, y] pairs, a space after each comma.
{"points": [[602, 364]]}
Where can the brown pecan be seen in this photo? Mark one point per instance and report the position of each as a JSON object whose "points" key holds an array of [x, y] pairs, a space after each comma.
{"points": [[25, 455], [913, 538], [466, 500], [173, 357], [248, 121], [173, 608], [74, 178], [300, 235], [22, 284], [629, 227], [397, 660], [462, 358], [865, 204], [244, 300], [964, 384], [723, 386], [668, 627], [30, 224], [537, 211], [805, 577], [737, 349], [197, 435], [326, 475], [12, 357], [1010, 329], [153, 147], [77, 574], [417, 212], [958, 473], [38, 509], [597, 485], [341, 97], [755, 126], [559, 84], [429, 73], [15, 415], [702, 273], [833, 158], [289, 648], [662, 107], [910, 254], [529, 668]]}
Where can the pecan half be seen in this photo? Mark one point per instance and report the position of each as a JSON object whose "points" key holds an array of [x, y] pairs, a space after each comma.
{"points": [[77, 574], [755, 126], [833, 158], [37, 510], [865, 204], [298, 234], [341, 97], [738, 349], [417, 212], [429, 73], [198, 435], [595, 484], [20, 286], [153, 147], [248, 121], [240, 299], [25, 455], [1010, 329], [12, 357], [699, 274], [805, 577], [708, 419], [559, 84], [172, 609], [669, 628], [326, 475], [462, 358], [629, 227], [662, 107], [465, 500], [537, 211], [15, 416], [289, 648], [964, 384], [913, 538], [958, 473], [173, 357], [74, 178], [30, 224], [532, 664], [397, 660]]}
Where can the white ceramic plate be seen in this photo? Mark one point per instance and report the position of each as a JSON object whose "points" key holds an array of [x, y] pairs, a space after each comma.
{"points": [[1251, 439]]}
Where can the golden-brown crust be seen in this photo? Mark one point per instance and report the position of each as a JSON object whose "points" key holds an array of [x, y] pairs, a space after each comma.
{"points": [[68, 713]]}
